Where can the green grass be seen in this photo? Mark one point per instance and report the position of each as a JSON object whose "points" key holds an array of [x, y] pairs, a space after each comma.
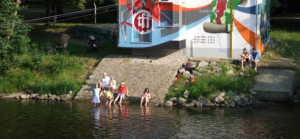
{"points": [[55, 74], [285, 39], [208, 85]]}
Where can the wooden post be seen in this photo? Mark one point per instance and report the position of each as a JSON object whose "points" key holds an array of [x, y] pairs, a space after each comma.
{"points": [[231, 26], [95, 12]]}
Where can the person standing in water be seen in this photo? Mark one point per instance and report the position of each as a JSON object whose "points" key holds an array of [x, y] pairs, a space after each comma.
{"points": [[97, 95], [109, 96]]}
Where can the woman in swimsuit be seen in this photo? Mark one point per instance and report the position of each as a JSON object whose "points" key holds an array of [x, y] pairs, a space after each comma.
{"points": [[145, 97]]}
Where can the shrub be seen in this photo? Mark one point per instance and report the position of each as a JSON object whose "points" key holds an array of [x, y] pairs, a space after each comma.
{"points": [[197, 69], [5, 86], [209, 84], [224, 68], [57, 63], [31, 60], [57, 87], [17, 81]]}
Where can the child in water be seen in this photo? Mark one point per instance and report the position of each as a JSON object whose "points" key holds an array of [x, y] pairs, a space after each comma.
{"points": [[145, 97], [97, 95], [110, 97]]}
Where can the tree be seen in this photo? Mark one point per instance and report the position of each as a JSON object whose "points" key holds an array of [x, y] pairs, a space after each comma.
{"points": [[95, 2], [275, 4], [59, 4], [285, 8], [13, 36]]}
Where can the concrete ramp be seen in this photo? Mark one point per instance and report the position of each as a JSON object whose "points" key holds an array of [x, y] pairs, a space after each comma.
{"points": [[155, 73], [274, 84]]}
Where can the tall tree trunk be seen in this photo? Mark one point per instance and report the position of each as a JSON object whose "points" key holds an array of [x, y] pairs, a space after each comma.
{"points": [[95, 12], [17, 5], [48, 3], [287, 7]]}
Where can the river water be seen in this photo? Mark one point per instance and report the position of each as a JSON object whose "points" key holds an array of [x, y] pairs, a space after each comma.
{"points": [[43, 119]]}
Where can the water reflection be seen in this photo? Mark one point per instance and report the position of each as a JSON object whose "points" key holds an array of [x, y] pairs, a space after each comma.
{"points": [[82, 120], [96, 111], [146, 111]]}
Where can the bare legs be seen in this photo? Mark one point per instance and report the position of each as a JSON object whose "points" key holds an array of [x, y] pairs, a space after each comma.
{"points": [[95, 104], [144, 99], [242, 64], [117, 99], [65, 50], [108, 102], [255, 62]]}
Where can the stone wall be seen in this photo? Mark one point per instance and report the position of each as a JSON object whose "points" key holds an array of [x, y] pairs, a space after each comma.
{"points": [[138, 73]]}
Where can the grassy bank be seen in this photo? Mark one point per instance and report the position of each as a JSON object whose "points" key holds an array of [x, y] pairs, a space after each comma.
{"points": [[285, 39], [209, 85], [55, 74]]}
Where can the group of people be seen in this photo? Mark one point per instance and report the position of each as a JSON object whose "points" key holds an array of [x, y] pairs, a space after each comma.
{"points": [[107, 86], [247, 58]]}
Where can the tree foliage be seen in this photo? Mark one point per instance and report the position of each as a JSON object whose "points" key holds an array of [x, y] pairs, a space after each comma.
{"points": [[74, 3], [13, 36], [275, 4]]}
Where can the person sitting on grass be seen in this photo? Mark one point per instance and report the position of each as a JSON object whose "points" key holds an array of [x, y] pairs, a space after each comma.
{"points": [[109, 96], [245, 57], [255, 57], [122, 92], [59, 47], [145, 97]]}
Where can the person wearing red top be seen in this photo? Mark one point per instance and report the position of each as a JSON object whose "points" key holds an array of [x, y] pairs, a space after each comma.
{"points": [[122, 92]]}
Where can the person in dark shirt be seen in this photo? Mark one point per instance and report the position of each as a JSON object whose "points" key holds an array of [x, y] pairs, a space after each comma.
{"points": [[255, 57]]}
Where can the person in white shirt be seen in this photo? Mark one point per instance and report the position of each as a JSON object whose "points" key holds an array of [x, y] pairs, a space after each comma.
{"points": [[105, 80], [113, 85]]}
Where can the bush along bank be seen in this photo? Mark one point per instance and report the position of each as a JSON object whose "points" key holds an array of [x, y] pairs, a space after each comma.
{"points": [[211, 84], [37, 72], [44, 74]]}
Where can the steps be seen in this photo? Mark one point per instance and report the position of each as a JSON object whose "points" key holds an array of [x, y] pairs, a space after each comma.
{"points": [[274, 84], [155, 73]]}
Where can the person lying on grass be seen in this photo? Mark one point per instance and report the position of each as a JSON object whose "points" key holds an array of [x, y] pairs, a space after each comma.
{"points": [[59, 47]]}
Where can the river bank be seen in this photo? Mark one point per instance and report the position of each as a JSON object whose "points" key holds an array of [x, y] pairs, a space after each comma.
{"points": [[219, 82]]}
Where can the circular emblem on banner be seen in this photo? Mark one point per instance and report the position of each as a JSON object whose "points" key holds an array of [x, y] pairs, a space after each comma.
{"points": [[142, 22]]}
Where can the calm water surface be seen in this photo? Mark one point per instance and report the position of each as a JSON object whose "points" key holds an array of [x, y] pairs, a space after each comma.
{"points": [[43, 119]]}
